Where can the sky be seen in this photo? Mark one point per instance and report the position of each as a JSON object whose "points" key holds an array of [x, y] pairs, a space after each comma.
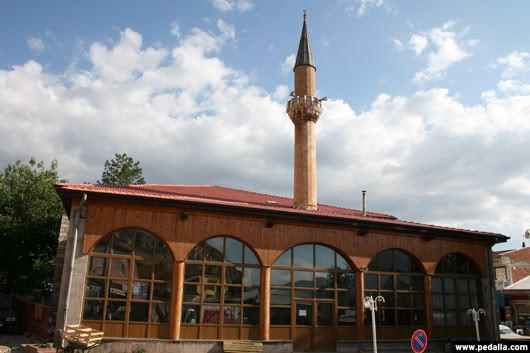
{"points": [[428, 102]]}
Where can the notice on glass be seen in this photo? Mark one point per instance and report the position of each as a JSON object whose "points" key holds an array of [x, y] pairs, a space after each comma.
{"points": [[302, 312]]}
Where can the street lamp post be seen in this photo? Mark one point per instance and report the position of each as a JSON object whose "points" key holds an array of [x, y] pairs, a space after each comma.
{"points": [[371, 303], [475, 315]]}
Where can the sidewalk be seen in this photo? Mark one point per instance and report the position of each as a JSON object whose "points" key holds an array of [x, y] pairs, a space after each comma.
{"points": [[14, 341]]}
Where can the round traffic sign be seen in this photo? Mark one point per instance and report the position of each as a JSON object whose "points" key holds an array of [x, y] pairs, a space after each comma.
{"points": [[418, 341]]}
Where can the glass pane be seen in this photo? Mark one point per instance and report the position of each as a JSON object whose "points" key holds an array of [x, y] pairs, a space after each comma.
{"points": [[213, 250], [162, 251], [303, 279], [118, 289], [234, 250], [232, 315], [342, 264], [324, 279], [141, 290], [304, 314], [303, 256], [162, 291], [437, 301], [95, 288], [324, 257], [160, 312], [449, 284], [347, 298], [384, 261], [370, 281], [103, 246], [197, 253], [98, 266], [461, 284], [387, 282], [250, 315], [449, 264], [463, 301], [325, 294], [212, 294], [193, 273], [190, 314], [304, 294], [403, 283], [122, 242], [119, 268], [474, 301], [212, 274], [192, 293], [233, 275], [345, 280], [251, 295], [386, 317], [144, 244], [252, 276], [93, 310], [324, 314], [461, 263], [210, 314], [438, 318], [284, 259], [389, 299], [115, 311], [418, 317], [163, 271], [280, 296], [473, 285], [346, 316], [250, 257], [450, 302], [143, 269], [403, 317], [451, 318], [417, 283], [436, 284], [401, 262], [233, 295], [418, 300], [139, 311], [281, 278], [280, 316], [403, 300]]}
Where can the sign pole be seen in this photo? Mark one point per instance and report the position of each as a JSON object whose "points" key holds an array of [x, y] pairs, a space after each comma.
{"points": [[371, 303], [475, 314]]}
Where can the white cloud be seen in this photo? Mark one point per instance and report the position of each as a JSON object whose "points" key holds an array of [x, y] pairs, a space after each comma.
{"points": [[514, 64], [361, 7], [189, 118], [228, 30], [174, 29], [288, 63], [233, 5], [443, 47], [36, 44]]}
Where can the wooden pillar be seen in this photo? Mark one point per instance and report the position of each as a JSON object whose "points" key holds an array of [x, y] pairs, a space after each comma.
{"points": [[428, 304], [360, 305], [265, 303], [176, 300]]}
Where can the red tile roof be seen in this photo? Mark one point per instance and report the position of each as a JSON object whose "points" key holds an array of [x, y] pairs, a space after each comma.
{"points": [[222, 196]]}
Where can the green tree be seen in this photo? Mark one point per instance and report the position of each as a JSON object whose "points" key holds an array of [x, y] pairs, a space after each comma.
{"points": [[122, 170], [30, 216]]}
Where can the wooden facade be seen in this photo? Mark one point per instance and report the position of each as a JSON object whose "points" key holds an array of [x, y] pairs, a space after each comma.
{"points": [[183, 228]]}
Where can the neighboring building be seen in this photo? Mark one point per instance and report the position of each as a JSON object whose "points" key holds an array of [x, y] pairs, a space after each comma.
{"points": [[512, 282], [201, 262]]}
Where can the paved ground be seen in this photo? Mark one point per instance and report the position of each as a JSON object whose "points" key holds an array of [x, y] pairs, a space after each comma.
{"points": [[14, 341]]}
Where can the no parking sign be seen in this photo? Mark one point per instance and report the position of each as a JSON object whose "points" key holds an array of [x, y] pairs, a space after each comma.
{"points": [[418, 341]]}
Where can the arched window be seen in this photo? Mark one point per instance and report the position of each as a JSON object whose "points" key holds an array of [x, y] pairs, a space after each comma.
{"points": [[311, 282], [221, 284], [129, 282], [397, 277], [455, 289]]}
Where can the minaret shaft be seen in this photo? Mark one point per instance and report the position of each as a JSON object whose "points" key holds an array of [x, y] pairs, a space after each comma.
{"points": [[304, 109]]}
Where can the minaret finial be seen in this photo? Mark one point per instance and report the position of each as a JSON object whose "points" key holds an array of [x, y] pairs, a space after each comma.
{"points": [[304, 56], [305, 14]]}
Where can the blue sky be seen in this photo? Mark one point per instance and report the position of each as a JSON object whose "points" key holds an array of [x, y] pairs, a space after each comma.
{"points": [[428, 101]]}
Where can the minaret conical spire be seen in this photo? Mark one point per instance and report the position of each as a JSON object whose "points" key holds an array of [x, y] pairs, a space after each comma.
{"points": [[305, 55]]}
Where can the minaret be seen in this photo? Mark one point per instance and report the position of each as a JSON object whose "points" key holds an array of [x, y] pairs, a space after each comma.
{"points": [[304, 109]]}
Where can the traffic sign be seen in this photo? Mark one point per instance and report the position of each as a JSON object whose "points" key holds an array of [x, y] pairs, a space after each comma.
{"points": [[418, 341]]}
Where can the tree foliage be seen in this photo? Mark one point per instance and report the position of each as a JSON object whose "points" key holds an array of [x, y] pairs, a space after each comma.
{"points": [[30, 216], [122, 170]]}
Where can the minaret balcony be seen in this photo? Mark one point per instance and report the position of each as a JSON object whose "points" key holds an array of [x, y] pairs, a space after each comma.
{"points": [[304, 108]]}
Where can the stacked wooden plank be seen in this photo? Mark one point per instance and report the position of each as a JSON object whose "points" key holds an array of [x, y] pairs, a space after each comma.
{"points": [[82, 335], [242, 347]]}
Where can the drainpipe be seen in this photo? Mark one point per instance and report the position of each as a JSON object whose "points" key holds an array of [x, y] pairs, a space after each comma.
{"points": [[364, 202], [72, 260]]}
